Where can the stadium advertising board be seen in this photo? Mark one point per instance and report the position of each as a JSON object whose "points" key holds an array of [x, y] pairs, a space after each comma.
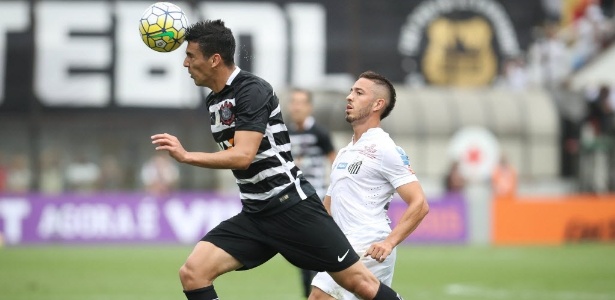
{"points": [[88, 53], [112, 218], [180, 218], [554, 220]]}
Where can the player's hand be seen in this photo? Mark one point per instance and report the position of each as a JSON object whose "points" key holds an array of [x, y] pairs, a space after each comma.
{"points": [[379, 251], [171, 144]]}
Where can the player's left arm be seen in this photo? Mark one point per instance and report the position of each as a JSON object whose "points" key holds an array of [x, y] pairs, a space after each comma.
{"points": [[412, 193], [396, 169]]}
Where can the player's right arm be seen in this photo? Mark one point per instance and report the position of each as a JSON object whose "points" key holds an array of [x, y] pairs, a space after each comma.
{"points": [[238, 157], [327, 203]]}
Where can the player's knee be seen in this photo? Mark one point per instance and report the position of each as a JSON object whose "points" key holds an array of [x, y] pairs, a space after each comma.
{"points": [[365, 287], [191, 278], [185, 274], [318, 294]]}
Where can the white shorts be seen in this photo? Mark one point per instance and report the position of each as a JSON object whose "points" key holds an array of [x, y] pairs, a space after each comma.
{"points": [[383, 271]]}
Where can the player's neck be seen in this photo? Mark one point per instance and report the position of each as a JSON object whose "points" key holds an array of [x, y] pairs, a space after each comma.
{"points": [[221, 78], [360, 128]]}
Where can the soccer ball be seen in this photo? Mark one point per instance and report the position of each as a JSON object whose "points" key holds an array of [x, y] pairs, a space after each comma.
{"points": [[163, 26]]}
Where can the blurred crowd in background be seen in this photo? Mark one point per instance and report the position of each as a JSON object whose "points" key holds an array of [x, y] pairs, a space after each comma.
{"points": [[562, 46], [85, 174]]}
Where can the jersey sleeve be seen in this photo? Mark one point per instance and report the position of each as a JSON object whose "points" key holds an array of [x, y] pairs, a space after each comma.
{"points": [[252, 111], [396, 167]]}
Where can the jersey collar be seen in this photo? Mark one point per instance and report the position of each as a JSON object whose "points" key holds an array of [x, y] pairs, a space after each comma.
{"points": [[369, 133], [233, 75], [308, 123]]}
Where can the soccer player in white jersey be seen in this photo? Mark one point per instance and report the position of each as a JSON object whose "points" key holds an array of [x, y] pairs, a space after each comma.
{"points": [[365, 175]]}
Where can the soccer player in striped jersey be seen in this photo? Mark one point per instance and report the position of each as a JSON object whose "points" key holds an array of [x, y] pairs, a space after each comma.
{"points": [[365, 175], [281, 211]]}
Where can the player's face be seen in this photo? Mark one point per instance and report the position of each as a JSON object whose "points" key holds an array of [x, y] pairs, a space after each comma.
{"points": [[199, 66], [300, 107], [360, 101]]}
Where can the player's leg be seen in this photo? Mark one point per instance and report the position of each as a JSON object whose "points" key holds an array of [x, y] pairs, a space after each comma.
{"points": [[308, 237], [203, 266], [232, 245], [325, 288], [358, 280], [306, 281], [383, 270], [318, 294]]}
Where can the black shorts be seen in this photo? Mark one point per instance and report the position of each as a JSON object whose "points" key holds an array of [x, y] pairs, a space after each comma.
{"points": [[305, 234]]}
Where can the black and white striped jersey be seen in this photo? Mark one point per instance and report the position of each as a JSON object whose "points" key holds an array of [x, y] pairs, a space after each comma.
{"points": [[310, 148], [248, 102]]}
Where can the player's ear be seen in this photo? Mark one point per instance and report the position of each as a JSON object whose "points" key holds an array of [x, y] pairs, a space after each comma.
{"points": [[215, 60], [379, 104]]}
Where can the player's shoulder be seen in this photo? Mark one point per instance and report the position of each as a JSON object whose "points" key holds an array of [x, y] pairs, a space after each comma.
{"points": [[385, 144], [248, 79], [319, 130], [381, 137]]}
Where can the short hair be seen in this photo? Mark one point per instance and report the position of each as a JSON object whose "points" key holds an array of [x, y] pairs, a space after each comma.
{"points": [[382, 81], [305, 91], [213, 37]]}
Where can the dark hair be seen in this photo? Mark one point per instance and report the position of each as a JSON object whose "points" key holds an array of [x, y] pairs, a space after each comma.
{"points": [[381, 80], [301, 90], [213, 37]]}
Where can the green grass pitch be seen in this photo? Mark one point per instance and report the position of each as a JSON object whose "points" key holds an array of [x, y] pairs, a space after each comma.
{"points": [[572, 272]]}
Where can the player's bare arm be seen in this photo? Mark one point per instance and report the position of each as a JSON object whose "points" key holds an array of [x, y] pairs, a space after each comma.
{"points": [[412, 194], [327, 203], [237, 157]]}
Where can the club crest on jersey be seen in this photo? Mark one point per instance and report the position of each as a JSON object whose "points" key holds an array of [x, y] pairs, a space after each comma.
{"points": [[227, 117], [354, 167]]}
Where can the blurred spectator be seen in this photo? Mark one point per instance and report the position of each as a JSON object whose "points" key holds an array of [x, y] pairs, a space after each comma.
{"points": [[548, 56], [160, 174], [553, 9], [573, 111], [504, 180], [311, 144], [515, 74], [454, 182], [51, 177], [597, 166], [3, 174], [590, 31], [19, 176], [601, 112], [111, 174], [82, 175]]}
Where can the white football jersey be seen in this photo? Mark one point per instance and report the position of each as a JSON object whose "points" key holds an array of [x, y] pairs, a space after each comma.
{"points": [[364, 177]]}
